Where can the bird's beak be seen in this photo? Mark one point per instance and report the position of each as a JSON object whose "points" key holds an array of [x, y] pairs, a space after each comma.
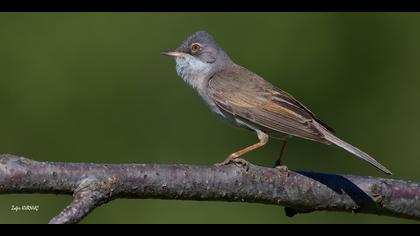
{"points": [[173, 54]]}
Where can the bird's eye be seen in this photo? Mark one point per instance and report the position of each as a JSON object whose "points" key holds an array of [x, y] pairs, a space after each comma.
{"points": [[195, 47]]}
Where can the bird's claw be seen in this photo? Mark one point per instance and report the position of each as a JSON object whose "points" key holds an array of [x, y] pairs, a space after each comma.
{"points": [[241, 163], [237, 161], [282, 168]]}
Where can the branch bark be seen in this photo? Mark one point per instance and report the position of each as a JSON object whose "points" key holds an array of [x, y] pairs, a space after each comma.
{"points": [[300, 192]]}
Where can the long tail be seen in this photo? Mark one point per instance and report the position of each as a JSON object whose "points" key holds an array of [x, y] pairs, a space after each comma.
{"points": [[354, 150]]}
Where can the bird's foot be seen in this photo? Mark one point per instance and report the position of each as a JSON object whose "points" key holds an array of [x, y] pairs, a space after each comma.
{"points": [[237, 161], [282, 168], [241, 163], [228, 160]]}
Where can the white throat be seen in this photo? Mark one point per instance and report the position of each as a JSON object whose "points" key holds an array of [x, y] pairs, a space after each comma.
{"points": [[193, 71], [197, 73]]}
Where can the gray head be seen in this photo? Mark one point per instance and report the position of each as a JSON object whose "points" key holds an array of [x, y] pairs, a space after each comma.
{"points": [[199, 54]]}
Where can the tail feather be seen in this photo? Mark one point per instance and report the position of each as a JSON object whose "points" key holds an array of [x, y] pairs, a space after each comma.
{"points": [[354, 150]]}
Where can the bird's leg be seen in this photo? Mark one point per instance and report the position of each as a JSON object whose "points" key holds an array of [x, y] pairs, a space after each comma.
{"points": [[279, 163], [263, 137]]}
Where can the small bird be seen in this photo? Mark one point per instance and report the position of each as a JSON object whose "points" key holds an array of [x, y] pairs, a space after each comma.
{"points": [[244, 99]]}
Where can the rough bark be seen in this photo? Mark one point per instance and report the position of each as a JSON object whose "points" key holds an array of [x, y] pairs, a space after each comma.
{"points": [[300, 192]]}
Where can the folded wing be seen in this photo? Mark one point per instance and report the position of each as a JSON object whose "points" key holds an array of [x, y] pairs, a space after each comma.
{"points": [[250, 98]]}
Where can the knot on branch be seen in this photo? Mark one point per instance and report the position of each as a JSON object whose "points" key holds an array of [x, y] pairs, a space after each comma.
{"points": [[100, 189], [91, 193], [378, 192]]}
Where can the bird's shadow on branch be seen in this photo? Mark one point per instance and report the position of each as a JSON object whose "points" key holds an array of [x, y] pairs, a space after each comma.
{"points": [[339, 185]]}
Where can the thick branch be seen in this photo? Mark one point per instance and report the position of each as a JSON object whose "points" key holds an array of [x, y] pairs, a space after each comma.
{"points": [[95, 184]]}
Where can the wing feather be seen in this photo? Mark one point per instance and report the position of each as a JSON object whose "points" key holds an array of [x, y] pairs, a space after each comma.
{"points": [[249, 97]]}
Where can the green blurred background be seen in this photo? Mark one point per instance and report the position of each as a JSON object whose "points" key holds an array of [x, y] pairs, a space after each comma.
{"points": [[92, 87]]}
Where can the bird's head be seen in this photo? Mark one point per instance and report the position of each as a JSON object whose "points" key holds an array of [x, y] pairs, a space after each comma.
{"points": [[199, 54]]}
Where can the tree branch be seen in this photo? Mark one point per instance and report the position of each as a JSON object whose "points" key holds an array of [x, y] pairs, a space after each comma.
{"points": [[301, 192]]}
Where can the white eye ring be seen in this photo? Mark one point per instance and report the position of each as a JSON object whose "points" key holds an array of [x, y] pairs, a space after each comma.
{"points": [[195, 47]]}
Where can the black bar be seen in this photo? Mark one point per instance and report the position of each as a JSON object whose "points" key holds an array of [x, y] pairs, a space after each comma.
{"points": [[210, 6]]}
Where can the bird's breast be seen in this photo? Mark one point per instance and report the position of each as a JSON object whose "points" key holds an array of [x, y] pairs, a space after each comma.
{"points": [[197, 74]]}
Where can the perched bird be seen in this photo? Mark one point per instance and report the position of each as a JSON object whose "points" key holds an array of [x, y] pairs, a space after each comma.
{"points": [[244, 99]]}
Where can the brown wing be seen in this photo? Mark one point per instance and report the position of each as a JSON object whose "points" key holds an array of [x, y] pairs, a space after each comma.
{"points": [[249, 97], [290, 99]]}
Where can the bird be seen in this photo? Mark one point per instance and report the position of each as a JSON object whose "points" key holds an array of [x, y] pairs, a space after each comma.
{"points": [[244, 99]]}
